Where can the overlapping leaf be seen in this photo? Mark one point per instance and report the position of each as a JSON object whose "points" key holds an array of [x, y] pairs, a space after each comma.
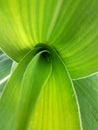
{"points": [[87, 92], [57, 108], [69, 26], [11, 96], [5, 67], [22, 92]]}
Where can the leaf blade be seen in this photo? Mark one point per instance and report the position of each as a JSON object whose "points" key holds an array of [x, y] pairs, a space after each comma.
{"points": [[5, 67], [87, 93], [10, 96], [57, 108], [76, 40]]}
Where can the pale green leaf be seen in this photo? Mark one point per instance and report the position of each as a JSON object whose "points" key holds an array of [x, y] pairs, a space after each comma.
{"points": [[5, 67], [10, 97], [87, 93]]}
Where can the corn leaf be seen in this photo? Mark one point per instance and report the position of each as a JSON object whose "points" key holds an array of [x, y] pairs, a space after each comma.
{"points": [[10, 97], [69, 26], [87, 93], [57, 108], [5, 67], [40, 93], [24, 95]]}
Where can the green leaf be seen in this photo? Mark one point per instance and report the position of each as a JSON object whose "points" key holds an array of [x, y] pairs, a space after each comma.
{"points": [[5, 67], [69, 26], [57, 108], [32, 91], [10, 97], [75, 35], [87, 93], [2, 84]]}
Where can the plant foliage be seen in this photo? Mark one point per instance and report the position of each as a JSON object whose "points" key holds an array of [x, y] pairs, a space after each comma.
{"points": [[54, 44]]}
